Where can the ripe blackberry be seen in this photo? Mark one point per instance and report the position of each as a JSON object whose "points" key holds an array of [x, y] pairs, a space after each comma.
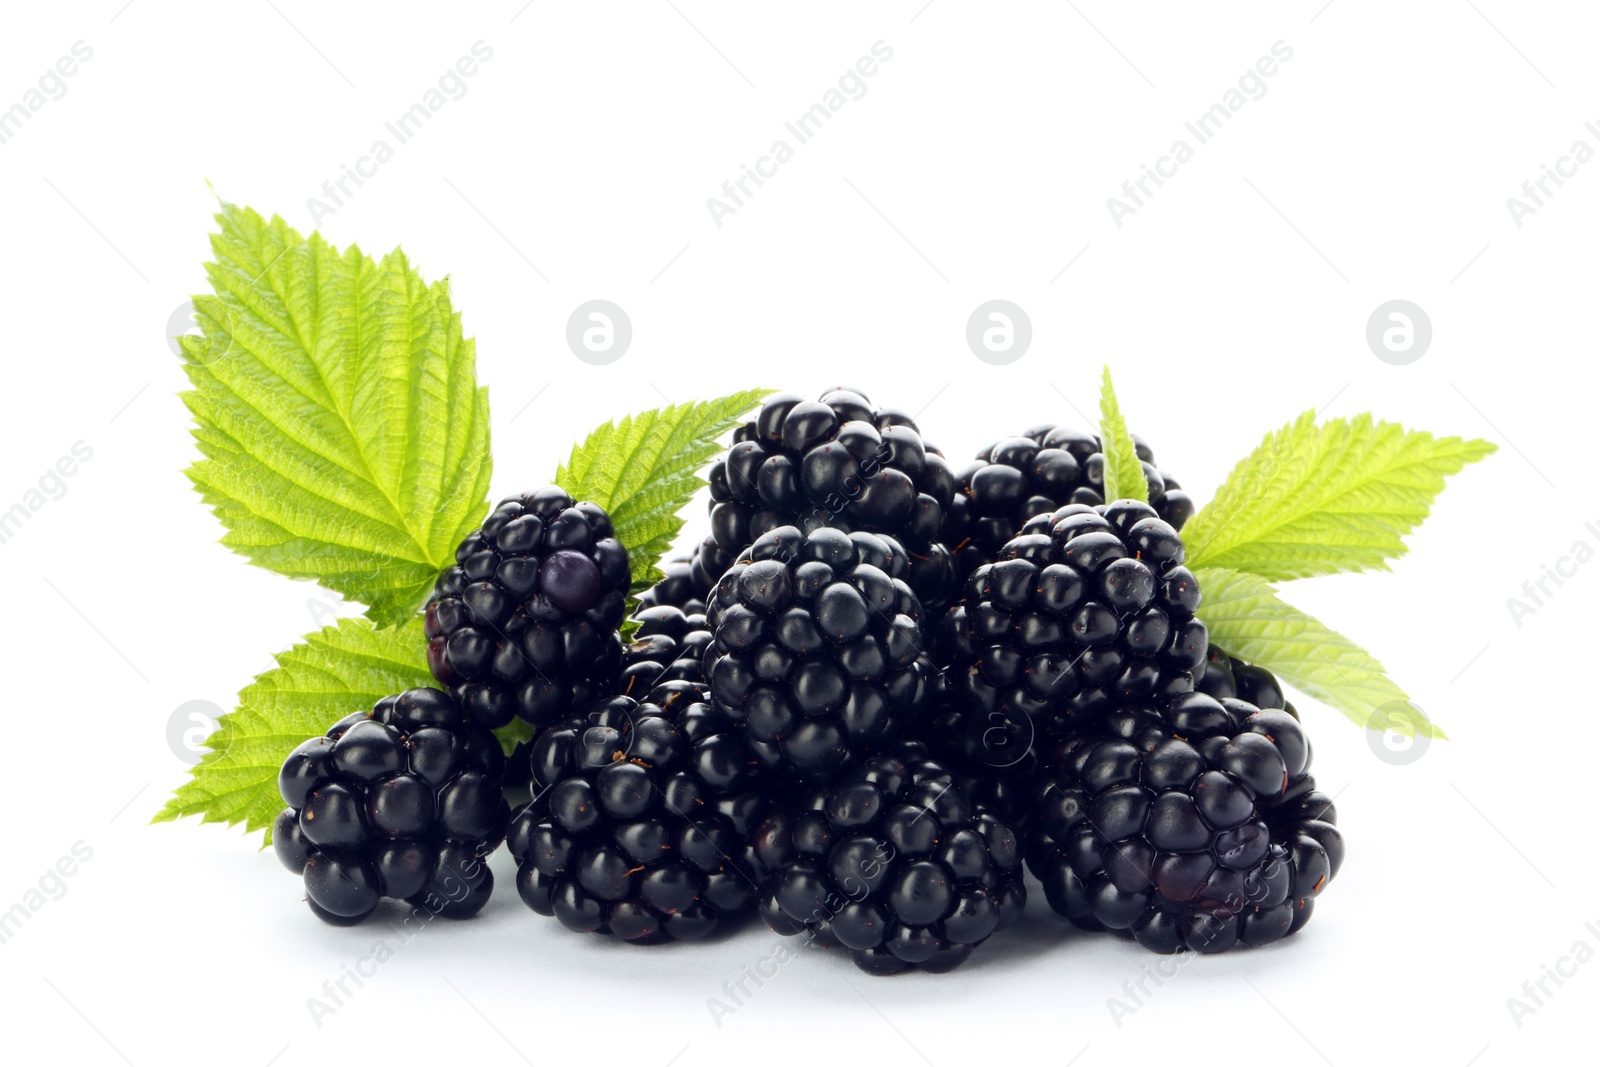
{"points": [[816, 647], [400, 802], [526, 621], [893, 863], [667, 645], [837, 462], [1034, 473], [643, 819], [1069, 624], [1195, 827], [678, 587]]}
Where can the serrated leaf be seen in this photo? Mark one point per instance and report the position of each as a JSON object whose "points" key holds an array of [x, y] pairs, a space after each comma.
{"points": [[1245, 617], [1318, 499], [646, 467], [338, 670], [1124, 474], [343, 434]]}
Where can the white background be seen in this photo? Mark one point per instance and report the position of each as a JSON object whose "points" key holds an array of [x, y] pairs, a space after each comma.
{"points": [[977, 165]]}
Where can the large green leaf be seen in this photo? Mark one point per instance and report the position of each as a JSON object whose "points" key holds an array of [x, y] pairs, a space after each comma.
{"points": [[1245, 617], [343, 433], [1317, 499], [331, 673], [644, 468]]}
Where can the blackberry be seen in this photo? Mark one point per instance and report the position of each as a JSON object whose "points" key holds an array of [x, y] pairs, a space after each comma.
{"points": [[1034, 473], [1067, 625], [1193, 827], [403, 801], [526, 621], [816, 647], [834, 462], [667, 645], [678, 587], [643, 822], [893, 863]]}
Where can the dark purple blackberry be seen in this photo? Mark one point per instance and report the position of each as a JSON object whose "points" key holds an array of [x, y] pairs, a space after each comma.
{"points": [[893, 863], [526, 621], [400, 802], [1067, 625], [667, 645], [836, 462], [816, 648], [643, 818], [1196, 827], [678, 587], [1034, 473]]}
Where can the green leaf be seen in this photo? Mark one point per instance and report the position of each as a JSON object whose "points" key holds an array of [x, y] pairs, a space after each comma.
{"points": [[343, 434], [645, 468], [1125, 478], [1320, 499], [1245, 617], [331, 673]]}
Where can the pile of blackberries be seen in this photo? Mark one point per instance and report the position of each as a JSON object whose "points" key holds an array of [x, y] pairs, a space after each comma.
{"points": [[879, 692]]}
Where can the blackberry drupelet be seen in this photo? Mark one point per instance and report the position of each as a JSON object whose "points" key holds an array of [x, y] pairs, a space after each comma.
{"points": [[1034, 473], [893, 863], [400, 802], [1067, 625], [816, 648], [1196, 827], [834, 462], [643, 818], [526, 621]]}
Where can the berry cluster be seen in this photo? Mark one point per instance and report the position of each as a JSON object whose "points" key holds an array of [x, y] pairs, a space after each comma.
{"points": [[816, 647], [865, 705], [1034, 473], [403, 801], [525, 624], [642, 823]]}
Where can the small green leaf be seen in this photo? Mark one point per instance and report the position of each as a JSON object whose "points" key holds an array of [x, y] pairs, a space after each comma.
{"points": [[1320, 499], [343, 434], [331, 673], [1245, 617], [1125, 478], [645, 468]]}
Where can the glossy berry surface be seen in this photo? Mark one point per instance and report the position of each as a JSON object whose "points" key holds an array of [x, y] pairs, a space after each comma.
{"points": [[1194, 827], [642, 819], [892, 863], [1034, 473], [835, 462], [402, 802], [816, 648], [525, 622]]}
